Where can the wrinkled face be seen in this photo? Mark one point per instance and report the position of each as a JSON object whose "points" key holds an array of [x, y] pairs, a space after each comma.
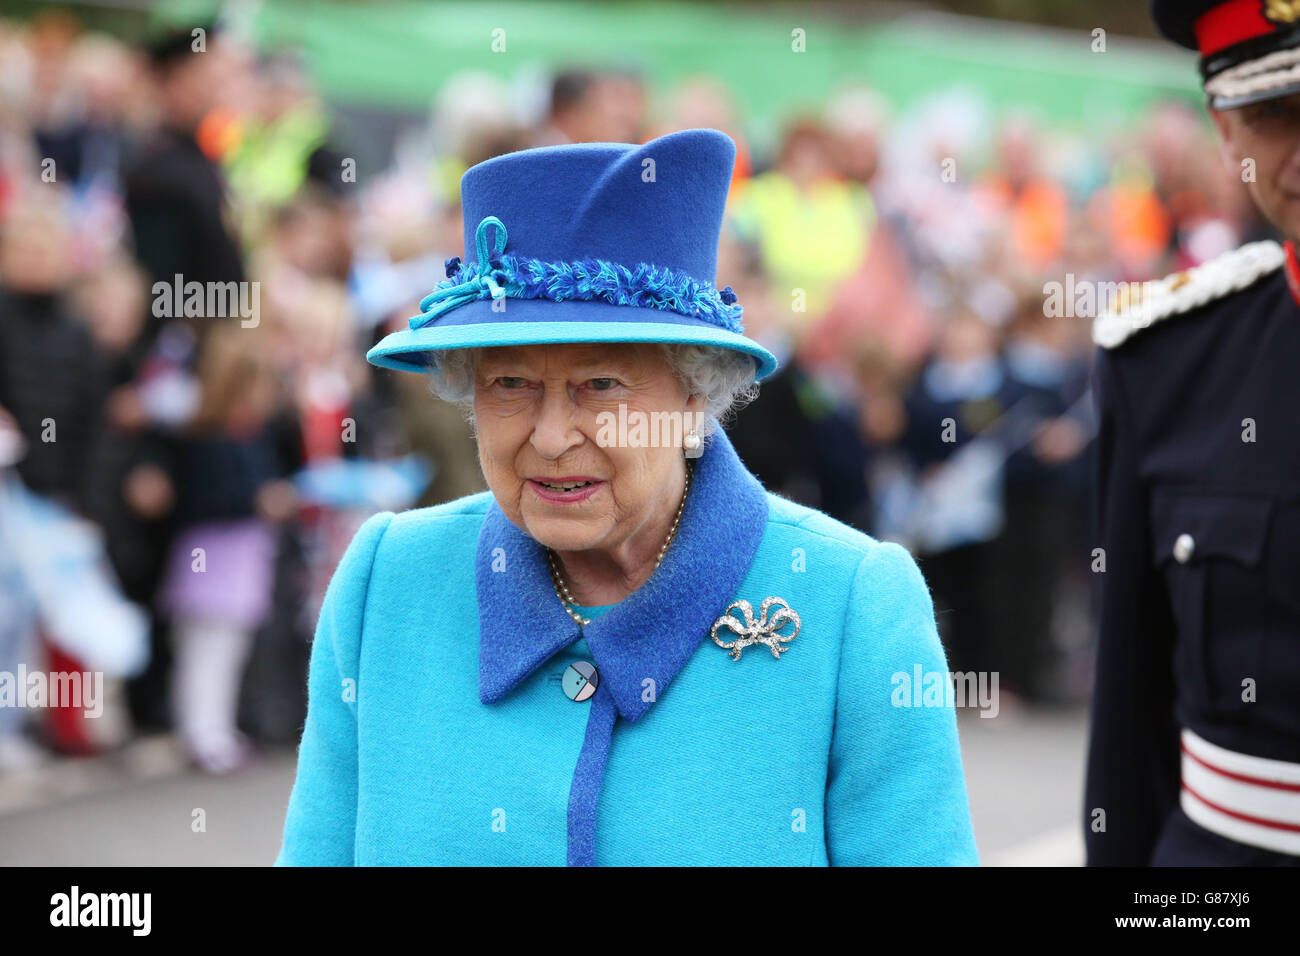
{"points": [[1269, 134], [538, 411]]}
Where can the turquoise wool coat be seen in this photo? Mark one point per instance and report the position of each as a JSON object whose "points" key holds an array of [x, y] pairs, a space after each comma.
{"points": [[438, 729]]}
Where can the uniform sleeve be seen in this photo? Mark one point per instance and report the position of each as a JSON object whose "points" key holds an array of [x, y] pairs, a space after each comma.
{"points": [[320, 826], [896, 792], [1132, 773]]}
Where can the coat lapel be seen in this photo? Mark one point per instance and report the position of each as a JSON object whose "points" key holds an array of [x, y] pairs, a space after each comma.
{"points": [[641, 643]]}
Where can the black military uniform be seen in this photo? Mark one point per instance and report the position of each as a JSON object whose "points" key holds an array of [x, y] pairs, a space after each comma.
{"points": [[1194, 752]]}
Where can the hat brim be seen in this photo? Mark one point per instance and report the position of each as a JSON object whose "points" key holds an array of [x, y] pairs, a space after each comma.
{"points": [[543, 322], [1222, 103]]}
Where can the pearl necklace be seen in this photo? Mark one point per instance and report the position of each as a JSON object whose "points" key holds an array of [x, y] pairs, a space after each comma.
{"points": [[562, 590]]}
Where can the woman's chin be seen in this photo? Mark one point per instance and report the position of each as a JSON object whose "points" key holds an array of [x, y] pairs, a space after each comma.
{"points": [[562, 534]]}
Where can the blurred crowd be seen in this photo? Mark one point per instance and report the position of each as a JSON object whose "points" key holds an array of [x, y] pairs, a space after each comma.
{"points": [[896, 265]]}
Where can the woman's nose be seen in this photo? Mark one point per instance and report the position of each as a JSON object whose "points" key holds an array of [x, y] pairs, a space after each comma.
{"points": [[554, 432]]}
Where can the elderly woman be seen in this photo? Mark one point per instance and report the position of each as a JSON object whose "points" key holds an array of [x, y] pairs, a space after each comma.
{"points": [[626, 652]]}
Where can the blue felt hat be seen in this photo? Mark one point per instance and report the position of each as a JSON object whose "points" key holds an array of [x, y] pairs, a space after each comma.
{"points": [[592, 242]]}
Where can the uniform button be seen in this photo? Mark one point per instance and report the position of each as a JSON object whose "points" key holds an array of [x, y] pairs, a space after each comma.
{"points": [[580, 681], [1183, 548]]}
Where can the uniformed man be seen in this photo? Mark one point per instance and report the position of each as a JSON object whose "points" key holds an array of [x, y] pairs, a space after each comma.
{"points": [[1194, 756]]}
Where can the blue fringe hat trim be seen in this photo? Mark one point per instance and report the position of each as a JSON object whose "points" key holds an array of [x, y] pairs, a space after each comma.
{"points": [[498, 274]]}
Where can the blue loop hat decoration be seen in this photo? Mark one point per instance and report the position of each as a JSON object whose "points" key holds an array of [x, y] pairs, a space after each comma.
{"points": [[523, 277], [608, 242], [451, 294]]}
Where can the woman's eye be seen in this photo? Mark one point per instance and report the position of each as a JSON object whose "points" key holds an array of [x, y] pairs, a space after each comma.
{"points": [[602, 384], [510, 381]]}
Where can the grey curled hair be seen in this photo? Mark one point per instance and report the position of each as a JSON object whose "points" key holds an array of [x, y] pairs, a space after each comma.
{"points": [[725, 377]]}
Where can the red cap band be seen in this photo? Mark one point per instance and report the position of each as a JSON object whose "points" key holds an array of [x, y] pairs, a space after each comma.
{"points": [[1231, 23]]}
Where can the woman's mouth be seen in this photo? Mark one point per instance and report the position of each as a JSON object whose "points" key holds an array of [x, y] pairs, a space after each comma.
{"points": [[565, 490]]}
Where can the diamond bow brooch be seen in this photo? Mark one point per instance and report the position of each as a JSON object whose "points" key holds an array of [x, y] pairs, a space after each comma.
{"points": [[763, 630]]}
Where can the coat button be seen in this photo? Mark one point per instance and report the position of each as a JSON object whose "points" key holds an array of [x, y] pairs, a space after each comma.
{"points": [[580, 681], [1183, 548]]}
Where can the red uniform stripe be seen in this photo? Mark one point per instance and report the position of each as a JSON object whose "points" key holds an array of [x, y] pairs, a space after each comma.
{"points": [[1231, 23], [1257, 781], [1292, 269], [1258, 821]]}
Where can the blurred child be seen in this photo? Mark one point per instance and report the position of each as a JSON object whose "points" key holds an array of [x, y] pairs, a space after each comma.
{"points": [[51, 387], [956, 432], [17, 621], [798, 435], [228, 471], [132, 506], [1046, 497]]}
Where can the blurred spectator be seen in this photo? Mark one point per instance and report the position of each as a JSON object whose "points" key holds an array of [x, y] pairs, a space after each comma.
{"points": [[279, 136], [114, 302], [227, 472], [798, 436], [810, 225], [857, 118], [1045, 485], [132, 502], [1036, 209], [595, 106], [50, 379], [51, 385], [702, 102], [956, 436], [879, 302], [1128, 213], [175, 192], [17, 621]]}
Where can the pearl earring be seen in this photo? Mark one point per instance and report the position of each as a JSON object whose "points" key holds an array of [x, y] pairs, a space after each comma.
{"points": [[692, 443]]}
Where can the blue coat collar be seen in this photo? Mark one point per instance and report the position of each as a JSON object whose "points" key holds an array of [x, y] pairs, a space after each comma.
{"points": [[650, 634]]}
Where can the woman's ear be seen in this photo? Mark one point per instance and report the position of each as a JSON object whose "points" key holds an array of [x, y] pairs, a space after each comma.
{"points": [[697, 403]]}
